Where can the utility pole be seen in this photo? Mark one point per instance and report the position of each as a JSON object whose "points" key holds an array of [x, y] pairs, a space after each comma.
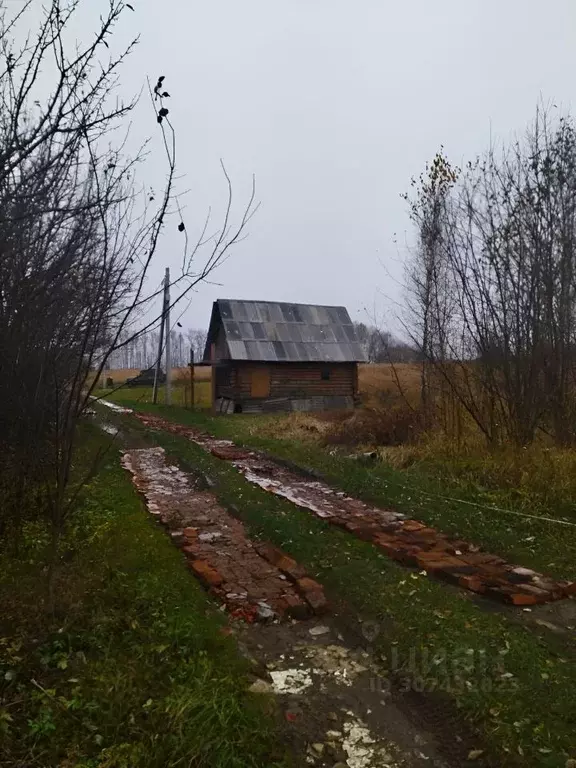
{"points": [[168, 398], [191, 364], [165, 310]]}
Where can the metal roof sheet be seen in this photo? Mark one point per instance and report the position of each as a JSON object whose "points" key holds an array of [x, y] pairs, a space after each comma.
{"points": [[275, 331]]}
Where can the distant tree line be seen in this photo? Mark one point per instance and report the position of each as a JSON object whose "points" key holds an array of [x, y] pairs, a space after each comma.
{"points": [[142, 351], [383, 347], [491, 285]]}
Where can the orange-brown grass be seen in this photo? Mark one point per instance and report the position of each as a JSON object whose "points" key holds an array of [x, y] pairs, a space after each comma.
{"points": [[383, 383]]}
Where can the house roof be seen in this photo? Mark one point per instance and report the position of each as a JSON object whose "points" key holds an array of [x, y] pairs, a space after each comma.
{"points": [[278, 332]]}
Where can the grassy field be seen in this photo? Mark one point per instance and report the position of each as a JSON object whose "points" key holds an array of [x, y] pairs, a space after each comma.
{"points": [[120, 375], [131, 669], [180, 387], [377, 383], [515, 687]]}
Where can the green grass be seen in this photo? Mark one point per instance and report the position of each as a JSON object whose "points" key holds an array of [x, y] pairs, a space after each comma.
{"points": [[132, 670], [515, 688], [180, 394]]}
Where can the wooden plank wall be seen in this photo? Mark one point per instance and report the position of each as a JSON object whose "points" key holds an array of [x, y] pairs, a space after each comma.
{"points": [[296, 380]]}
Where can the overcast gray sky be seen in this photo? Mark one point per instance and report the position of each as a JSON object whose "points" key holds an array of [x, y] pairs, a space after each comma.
{"points": [[334, 105]]}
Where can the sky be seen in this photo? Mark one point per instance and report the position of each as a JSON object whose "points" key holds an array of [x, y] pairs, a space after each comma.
{"points": [[333, 105]]}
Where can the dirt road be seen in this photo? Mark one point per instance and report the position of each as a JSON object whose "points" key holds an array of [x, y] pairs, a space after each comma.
{"points": [[338, 705]]}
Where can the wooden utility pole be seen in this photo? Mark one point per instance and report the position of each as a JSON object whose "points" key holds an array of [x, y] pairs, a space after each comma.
{"points": [[165, 311], [168, 398], [192, 378]]}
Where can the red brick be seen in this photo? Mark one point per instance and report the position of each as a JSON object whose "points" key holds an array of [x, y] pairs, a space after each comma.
{"points": [[542, 595], [488, 570], [269, 552], [363, 531], [436, 560], [429, 565], [522, 599], [412, 525], [473, 583], [391, 549], [230, 453], [293, 606], [206, 573], [282, 561], [407, 555], [441, 545], [190, 533], [481, 558], [317, 601], [428, 532], [307, 584], [190, 552], [291, 568]]}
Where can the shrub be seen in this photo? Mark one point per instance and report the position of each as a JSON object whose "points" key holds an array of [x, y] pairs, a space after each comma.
{"points": [[395, 426]]}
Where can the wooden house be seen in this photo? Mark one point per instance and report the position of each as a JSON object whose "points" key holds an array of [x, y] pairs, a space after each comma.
{"points": [[271, 356]]}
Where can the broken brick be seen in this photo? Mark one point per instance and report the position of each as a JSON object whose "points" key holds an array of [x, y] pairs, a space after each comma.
{"points": [[519, 598], [269, 552], [293, 606], [482, 558], [437, 560], [363, 531], [407, 541], [206, 573], [229, 453], [306, 584], [463, 570], [281, 560], [540, 594], [473, 583], [291, 568], [190, 551], [411, 525], [317, 600]]}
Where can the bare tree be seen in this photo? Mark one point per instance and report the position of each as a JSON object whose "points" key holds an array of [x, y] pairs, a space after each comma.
{"points": [[77, 244], [427, 277], [508, 251], [197, 341]]}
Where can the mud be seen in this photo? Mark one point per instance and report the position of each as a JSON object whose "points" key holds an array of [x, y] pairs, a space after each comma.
{"points": [[328, 687], [255, 582], [407, 541]]}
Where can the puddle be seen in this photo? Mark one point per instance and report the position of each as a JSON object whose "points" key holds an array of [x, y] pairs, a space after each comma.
{"points": [[113, 406]]}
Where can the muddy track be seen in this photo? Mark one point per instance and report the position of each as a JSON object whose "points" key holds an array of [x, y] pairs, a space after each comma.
{"points": [[256, 582], [337, 704], [407, 541]]}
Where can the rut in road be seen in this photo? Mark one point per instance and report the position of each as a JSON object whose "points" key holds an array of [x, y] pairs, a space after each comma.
{"points": [[407, 541], [339, 705]]}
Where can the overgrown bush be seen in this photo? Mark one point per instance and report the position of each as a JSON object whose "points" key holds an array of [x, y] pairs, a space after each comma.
{"points": [[394, 426]]}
